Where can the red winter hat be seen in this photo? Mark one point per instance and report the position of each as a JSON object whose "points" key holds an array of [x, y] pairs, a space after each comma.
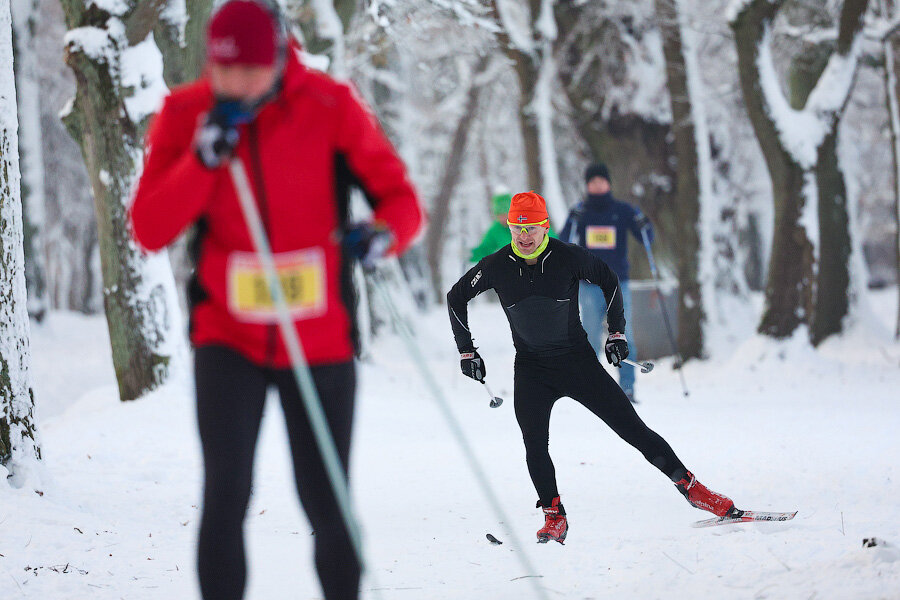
{"points": [[242, 32], [528, 208]]}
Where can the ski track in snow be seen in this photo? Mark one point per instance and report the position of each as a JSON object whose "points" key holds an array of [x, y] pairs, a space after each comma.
{"points": [[119, 514]]}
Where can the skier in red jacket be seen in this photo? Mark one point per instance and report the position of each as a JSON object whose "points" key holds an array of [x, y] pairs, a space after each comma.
{"points": [[304, 139]]}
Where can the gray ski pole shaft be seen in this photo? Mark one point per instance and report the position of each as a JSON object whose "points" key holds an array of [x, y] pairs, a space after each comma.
{"points": [[645, 366], [299, 365], [408, 334], [665, 313]]}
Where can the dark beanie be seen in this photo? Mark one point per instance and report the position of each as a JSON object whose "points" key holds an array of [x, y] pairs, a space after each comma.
{"points": [[597, 169], [242, 31]]}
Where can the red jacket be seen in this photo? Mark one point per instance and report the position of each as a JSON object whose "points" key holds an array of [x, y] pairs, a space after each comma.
{"points": [[302, 152]]}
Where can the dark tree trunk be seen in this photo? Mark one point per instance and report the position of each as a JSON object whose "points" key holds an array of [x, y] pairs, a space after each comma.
{"points": [[832, 300], [687, 189], [453, 167], [792, 293], [789, 286], [527, 70]]}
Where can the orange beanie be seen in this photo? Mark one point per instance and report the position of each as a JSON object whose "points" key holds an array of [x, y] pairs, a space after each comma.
{"points": [[528, 208]]}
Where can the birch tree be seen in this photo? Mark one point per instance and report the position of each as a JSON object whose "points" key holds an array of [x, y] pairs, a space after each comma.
{"points": [[18, 443], [119, 74], [807, 283]]}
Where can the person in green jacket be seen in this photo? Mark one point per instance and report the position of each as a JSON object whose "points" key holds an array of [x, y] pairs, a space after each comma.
{"points": [[497, 234]]}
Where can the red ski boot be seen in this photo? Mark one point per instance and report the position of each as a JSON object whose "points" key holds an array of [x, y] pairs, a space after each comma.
{"points": [[701, 497], [555, 526]]}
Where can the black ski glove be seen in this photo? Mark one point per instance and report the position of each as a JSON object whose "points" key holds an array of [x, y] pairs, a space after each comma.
{"points": [[216, 139], [472, 365], [368, 242], [616, 348], [641, 221]]}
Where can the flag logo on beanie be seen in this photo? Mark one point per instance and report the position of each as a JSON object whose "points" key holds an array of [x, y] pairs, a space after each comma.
{"points": [[528, 208]]}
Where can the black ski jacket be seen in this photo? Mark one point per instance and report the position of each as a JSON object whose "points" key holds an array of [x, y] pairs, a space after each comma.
{"points": [[540, 301]]}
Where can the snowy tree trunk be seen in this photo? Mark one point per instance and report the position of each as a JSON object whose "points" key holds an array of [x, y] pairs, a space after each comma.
{"points": [[31, 155], [687, 192], [800, 158], [528, 42], [452, 169], [106, 52], [527, 75], [18, 445], [892, 88], [789, 285]]}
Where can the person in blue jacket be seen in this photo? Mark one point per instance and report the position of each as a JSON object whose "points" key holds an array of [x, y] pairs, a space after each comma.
{"points": [[601, 223]]}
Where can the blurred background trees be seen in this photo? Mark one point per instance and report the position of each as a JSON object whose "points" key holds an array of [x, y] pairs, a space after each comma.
{"points": [[485, 94]]}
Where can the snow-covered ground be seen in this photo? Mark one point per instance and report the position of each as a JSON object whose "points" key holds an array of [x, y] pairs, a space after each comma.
{"points": [[775, 427]]}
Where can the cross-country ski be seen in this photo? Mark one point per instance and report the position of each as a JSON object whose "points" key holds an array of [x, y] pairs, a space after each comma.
{"points": [[745, 516]]}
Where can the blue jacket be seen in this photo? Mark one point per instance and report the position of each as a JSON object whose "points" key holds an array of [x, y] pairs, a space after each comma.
{"points": [[600, 223]]}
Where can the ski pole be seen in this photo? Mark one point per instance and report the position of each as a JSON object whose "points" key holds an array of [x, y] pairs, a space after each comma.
{"points": [[645, 366], [662, 308], [495, 400], [299, 365], [404, 326]]}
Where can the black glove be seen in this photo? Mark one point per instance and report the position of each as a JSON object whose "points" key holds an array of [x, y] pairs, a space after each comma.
{"points": [[368, 242], [216, 139], [641, 221], [472, 365], [616, 348]]}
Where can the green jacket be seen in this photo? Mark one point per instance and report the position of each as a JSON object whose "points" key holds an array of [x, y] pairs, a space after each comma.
{"points": [[494, 238]]}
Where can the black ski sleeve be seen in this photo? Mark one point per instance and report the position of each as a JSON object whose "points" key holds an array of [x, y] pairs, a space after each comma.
{"points": [[593, 270], [474, 282]]}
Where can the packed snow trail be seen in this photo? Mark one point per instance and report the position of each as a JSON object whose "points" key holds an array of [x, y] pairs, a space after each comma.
{"points": [[773, 426]]}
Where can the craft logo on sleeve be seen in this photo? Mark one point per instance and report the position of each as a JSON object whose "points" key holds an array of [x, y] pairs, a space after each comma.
{"points": [[302, 276], [600, 237]]}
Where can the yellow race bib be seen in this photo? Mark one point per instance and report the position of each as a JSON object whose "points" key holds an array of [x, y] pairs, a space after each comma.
{"points": [[302, 277], [600, 237]]}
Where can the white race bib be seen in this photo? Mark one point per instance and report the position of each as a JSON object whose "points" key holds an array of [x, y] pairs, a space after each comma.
{"points": [[302, 277], [600, 237]]}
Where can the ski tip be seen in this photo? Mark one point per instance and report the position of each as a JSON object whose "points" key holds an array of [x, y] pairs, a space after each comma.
{"points": [[490, 537]]}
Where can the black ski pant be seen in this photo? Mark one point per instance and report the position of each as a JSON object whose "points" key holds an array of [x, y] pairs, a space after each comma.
{"points": [[540, 382], [231, 392]]}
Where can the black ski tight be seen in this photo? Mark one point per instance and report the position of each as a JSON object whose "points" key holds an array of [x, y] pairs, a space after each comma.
{"points": [[539, 383], [231, 392]]}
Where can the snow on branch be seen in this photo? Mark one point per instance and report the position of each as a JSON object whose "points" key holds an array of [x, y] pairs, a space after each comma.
{"points": [[546, 21], [138, 69], [516, 21], [836, 82], [142, 71], [802, 131]]}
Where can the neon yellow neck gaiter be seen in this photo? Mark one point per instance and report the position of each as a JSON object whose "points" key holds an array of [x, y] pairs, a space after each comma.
{"points": [[534, 254]]}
